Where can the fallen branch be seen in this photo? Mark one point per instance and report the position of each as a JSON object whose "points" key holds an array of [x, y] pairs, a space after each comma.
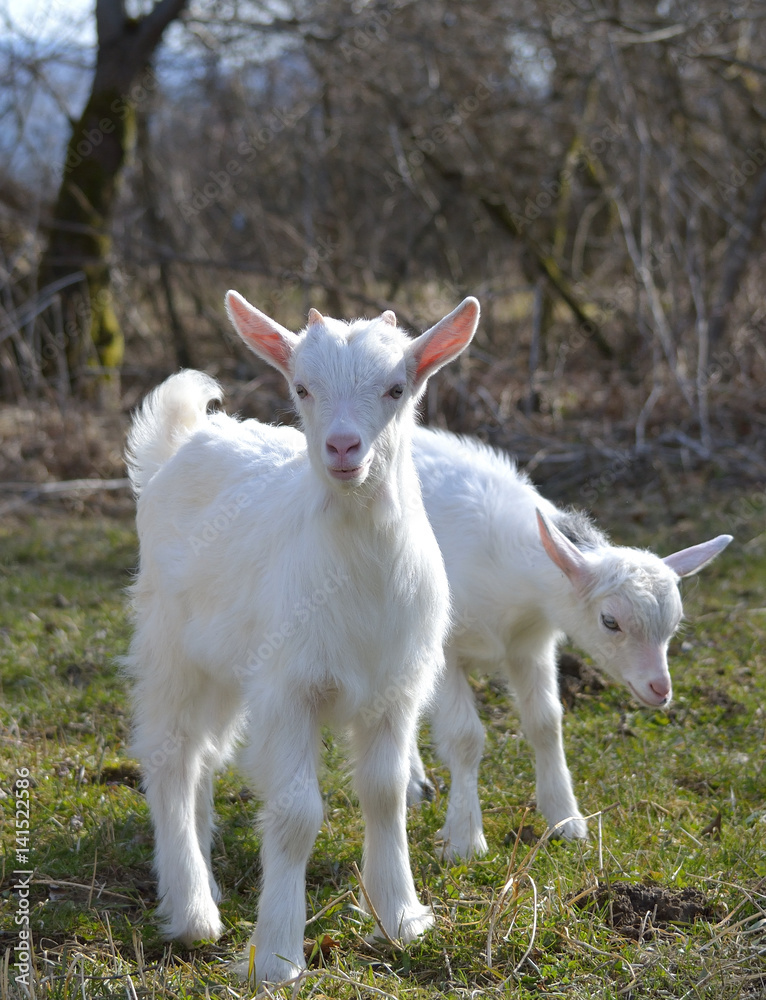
{"points": [[66, 486], [29, 492]]}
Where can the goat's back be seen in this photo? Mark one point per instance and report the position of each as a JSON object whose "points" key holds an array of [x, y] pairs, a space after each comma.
{"points": [[482, 510], [476, 498]]}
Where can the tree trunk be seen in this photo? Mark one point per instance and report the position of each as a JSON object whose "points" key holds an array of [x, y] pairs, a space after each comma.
{"points": [[80, 236]]}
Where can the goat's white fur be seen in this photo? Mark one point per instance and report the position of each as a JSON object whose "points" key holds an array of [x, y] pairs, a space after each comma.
{"points": [[518, 586], [285, 583]]}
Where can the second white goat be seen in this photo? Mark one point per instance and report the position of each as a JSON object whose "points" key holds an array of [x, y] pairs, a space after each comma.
{"points": [[285, 583], [523, 574]]}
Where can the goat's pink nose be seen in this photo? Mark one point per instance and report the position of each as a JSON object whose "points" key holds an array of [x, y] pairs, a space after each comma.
{"points": [[344, 449], [661, 688]]}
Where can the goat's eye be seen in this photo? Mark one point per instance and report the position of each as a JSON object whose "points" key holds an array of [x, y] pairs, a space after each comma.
{"points": [[611, 623], [301, 391], [396, 391]]}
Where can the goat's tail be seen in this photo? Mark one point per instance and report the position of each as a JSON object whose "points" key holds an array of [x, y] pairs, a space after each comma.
{"points": [[169, 415]]}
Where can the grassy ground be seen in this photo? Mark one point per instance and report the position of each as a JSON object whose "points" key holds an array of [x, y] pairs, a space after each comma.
{"points": [[682, 794]]}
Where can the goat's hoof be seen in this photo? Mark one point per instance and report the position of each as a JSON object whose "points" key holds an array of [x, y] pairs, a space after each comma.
{"points": [[575, 829], [195, 931], [420, 790], [413, 922], [190, 921], [272, 970], [456, 848]]}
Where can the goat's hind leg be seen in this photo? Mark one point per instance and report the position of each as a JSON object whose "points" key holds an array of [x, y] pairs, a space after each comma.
{"points": [[419, 787], [212, 762], [205, 822], [175, 743], [459, 737], [382, 751]]}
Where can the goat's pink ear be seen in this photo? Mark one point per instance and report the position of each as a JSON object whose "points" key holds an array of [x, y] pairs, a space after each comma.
{"points": [[315, 317], [389, 316], [563, 553], [444, 341], [268, 339], [689, 561]]}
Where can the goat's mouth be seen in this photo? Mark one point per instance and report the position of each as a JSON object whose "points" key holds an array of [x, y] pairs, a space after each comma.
{"points": [[654, 702], [350, 475], [345, 474]]}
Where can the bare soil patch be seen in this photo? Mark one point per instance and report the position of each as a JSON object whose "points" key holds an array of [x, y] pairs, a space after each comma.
{"points": [[576, 678], [641, 911]]}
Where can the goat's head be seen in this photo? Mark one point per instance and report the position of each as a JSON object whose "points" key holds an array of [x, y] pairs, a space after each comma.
{"points": [[353, 383], [627, 606]]}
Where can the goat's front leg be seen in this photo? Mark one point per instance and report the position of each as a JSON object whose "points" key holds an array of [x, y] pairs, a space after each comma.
{"points": [[282, 761], [382, 749], [459, 737], [535, 685]]}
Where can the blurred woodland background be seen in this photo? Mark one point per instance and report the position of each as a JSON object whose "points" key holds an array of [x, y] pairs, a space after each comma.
{"points": [[594, 171]]}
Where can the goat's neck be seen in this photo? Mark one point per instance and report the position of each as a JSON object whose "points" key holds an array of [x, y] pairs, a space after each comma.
{"points": [[386, 500], [566, 607], [537, 588]]}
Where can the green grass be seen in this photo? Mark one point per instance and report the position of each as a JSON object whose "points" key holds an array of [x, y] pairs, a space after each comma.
{"points": [[508, 925]]}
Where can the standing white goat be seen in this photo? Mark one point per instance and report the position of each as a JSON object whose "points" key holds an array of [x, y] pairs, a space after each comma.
{"points": [[285, 583], [523, 574]]}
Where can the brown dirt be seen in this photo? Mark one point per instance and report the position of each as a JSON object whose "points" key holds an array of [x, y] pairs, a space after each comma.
{"points": [[640, 911], [576, 678], [125, 773]]}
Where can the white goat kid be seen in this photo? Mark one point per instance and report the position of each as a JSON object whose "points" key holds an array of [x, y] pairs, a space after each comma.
{"points": [[285, 583], [523, 574]]}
